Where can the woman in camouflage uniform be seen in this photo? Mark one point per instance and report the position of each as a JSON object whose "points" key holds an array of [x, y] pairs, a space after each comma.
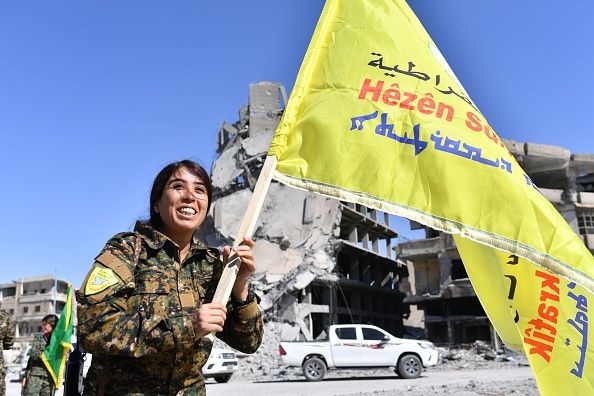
{"points": [[6, 343], [38, 381], [145, 305]]}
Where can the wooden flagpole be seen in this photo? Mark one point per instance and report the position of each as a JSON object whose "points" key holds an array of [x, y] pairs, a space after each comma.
{"points": [[246, 229]]}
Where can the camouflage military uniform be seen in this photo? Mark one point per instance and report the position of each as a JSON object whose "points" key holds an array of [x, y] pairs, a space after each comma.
{"points": [[6, 341], [135, 316], [38, 379]]}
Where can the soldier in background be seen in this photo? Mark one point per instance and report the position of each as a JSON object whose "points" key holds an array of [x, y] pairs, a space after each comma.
{"points": [[146, 303], [38, 381], [6, 341]]}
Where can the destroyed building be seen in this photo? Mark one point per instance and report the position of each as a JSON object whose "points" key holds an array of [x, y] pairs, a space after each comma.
{"points": [[442, 299], [29, 299], [320, 261]]}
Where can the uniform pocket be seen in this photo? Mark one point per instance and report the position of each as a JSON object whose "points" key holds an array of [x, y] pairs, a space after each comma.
{"points": [[199, 294], [153, 290], [152, 282]]}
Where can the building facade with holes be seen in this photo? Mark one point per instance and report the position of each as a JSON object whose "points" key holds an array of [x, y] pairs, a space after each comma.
{"points": [[443, 302], [29, 299], [319, 261]]}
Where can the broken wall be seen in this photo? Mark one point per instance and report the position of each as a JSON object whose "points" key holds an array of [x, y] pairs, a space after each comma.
{"points": [[442, 291], [319, 261], [296, 231]]}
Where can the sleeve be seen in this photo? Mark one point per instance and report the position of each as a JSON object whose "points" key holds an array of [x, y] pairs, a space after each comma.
{"points": [[244, 327], [37, 348], [9, 336], [115, 318]]}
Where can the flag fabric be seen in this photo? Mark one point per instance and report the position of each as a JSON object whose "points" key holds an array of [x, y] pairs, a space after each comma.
{"points": [[55, 354], [549, 315], [378, 117]]}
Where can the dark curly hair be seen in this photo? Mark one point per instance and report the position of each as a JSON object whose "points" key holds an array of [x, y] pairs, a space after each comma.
{"points": [[50, 319], [161, 181]]}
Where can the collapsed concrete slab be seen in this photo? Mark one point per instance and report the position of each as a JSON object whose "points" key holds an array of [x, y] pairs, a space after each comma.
{"points": [[320, 261], [225, 172], [440, 289]]}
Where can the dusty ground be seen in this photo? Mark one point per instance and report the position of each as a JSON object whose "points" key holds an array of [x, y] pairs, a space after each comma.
{"points": [[264, 365], [473, 370], [469, 388]]}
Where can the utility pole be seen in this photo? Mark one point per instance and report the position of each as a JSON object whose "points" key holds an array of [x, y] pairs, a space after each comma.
{"points": [[16, 306], [55, 290]]}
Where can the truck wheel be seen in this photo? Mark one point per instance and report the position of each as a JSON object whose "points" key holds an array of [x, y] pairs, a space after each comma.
{"points": [[409, 366], [314, 369], [222, 378]]}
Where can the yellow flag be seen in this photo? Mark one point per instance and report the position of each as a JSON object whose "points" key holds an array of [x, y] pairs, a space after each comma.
{"points": [[550, 315], [377, 117]]}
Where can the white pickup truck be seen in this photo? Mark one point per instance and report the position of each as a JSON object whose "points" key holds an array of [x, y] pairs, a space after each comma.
{"points": [[221, 365], [359, 346]]}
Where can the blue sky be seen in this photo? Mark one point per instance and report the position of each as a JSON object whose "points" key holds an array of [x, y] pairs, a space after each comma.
{"points": [[96, 96]]}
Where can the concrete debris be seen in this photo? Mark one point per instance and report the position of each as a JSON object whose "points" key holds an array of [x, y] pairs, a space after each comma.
{"points": [[227, 212], [440, 287], [265, 365], [288, 331], [478, 355], [279, 260], [257, 145], [225, 172], [279, 300], [303, 279], [320, 261]]}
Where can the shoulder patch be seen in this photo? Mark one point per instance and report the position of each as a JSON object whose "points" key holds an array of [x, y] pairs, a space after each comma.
{"points": [[99, 280], [116, 264]]}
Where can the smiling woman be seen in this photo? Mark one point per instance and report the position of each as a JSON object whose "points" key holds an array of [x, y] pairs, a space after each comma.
{"points": [[146, 303], [180, 200]]}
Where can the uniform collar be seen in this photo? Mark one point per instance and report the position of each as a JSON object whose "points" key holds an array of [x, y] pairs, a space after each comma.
{"points": [[156, 239]]}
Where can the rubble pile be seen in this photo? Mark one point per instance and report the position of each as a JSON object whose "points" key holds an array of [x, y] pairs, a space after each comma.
{"points": [[291, 252], [319, 260], [478, 355], [264, 364], [308, 246], [469, 388]]}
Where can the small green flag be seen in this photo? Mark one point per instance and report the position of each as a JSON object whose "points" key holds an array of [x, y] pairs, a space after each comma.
{"points": [[55, 354]]}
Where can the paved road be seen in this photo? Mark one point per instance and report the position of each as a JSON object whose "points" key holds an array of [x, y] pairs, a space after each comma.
{"points": [[389, 384]]}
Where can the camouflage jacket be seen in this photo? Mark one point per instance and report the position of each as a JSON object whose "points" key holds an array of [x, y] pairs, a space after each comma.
{"points": [[6, 334], [35, 365], [135, 311]]}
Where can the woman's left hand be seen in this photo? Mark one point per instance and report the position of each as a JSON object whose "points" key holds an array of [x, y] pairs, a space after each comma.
{"points": [[247, 266]]}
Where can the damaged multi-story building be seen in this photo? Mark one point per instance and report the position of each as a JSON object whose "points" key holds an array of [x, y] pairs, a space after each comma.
{"points": [[29, 299], [442, 299], [320, 261]]}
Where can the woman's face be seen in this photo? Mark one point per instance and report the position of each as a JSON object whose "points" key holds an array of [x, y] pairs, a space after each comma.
{"points": [[183, 204], [46, 327]]}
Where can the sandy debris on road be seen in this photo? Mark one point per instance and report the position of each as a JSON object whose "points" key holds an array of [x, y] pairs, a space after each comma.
{"points": [[466, 388]]}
